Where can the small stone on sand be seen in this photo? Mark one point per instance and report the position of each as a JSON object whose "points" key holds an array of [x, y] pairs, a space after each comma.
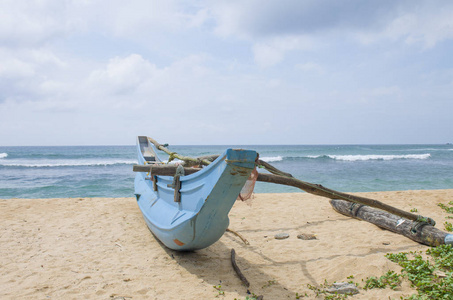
{"points": [[343, 288], [307, 236], [281, 236]]}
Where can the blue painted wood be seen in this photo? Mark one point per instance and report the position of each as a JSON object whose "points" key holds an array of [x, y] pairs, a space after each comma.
{"points": [[201, 218]]}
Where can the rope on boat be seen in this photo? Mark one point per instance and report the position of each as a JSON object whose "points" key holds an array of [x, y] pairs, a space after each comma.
{"points": [[420, 222], [190, 161]]}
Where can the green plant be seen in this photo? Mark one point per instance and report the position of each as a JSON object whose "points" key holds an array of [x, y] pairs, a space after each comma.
{"points": [[443, 257], [448, 226], [269, 283], [298, 296], [389, 279], [448, 209], [351, 277], [414, 210], [397, 257], [431, 275], [219, 290]]}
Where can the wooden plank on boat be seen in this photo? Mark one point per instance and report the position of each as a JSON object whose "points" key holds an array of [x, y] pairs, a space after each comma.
{"points": [[415, 230], [166, 170]]}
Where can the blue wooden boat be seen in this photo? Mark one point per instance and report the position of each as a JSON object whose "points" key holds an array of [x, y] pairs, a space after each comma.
{"points": [[200, 216]]}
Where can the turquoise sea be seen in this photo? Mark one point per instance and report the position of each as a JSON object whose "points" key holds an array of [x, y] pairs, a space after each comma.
{"points": [[106, 171]]}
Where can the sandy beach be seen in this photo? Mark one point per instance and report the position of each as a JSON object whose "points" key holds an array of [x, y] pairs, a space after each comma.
{"points": [[100, 248]]}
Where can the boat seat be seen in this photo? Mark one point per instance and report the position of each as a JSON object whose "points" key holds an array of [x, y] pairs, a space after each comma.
{"points": [[149, 155]]}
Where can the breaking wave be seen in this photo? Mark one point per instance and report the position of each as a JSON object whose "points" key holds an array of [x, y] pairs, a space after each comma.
{"points": [[373, 157], [173, 162], [271, 158], [53, 164], [49, 163]]}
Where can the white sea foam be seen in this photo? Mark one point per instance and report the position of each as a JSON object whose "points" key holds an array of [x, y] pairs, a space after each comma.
{"points": [[379, 157], [173, 162], [3, 155], [424, 149], [271, 158], [67, 163]]}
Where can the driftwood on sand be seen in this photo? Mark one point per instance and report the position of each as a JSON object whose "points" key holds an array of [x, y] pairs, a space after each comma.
{"points": [[237, 270], [418, 231], [238, 235]]}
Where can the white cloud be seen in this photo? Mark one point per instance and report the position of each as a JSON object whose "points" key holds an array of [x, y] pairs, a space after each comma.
{"points": [[25, 74], [267, 55], [272, 51], [385, 91], [270, 25], [15, 68], [123, 75], [130, 19], [423, 24], [311, 67], [229, 16], [378, 96], [39, 22], [28, 23]]}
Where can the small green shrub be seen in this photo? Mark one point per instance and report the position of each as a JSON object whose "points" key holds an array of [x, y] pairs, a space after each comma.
{"points": [[422, 273], [389, 279], [448, 226], [448, 209]]}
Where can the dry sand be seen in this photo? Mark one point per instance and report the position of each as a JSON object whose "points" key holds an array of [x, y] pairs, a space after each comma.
{"points": [[100, 248]]}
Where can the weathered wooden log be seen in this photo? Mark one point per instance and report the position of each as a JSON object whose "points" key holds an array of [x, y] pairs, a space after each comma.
{"points": [[418, 231]]}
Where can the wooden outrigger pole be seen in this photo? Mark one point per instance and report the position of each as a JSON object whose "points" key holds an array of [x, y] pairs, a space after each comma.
{"points": [[418, 228]]}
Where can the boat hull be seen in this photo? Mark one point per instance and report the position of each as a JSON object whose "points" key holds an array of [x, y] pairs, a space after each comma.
{"points": [[201, 216]]}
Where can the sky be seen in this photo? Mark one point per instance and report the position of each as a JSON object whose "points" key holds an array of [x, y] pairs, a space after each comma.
{"points": [[101, 72]]}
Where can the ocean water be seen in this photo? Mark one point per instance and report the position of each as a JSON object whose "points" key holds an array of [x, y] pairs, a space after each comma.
{"points": [[106, 171]]}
